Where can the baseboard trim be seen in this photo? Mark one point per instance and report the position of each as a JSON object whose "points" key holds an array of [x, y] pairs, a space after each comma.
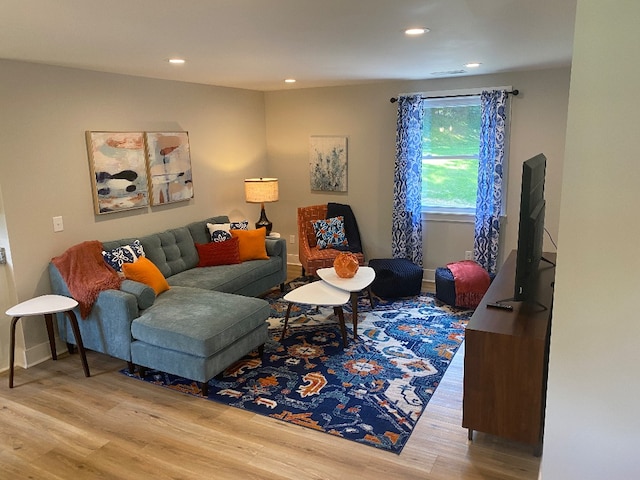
{"points": [[38, 353], [293, 259]]}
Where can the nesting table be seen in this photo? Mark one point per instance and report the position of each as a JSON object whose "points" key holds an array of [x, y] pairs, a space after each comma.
{"points": [[361, 280], [46, 305], [320, 294], [333, 291]]}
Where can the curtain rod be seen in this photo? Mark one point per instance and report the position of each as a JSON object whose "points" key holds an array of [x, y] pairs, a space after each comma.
{"points": [[514, 92]]}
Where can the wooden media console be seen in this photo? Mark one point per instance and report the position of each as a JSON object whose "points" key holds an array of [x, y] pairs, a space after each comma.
{"points": [[506, 359]]}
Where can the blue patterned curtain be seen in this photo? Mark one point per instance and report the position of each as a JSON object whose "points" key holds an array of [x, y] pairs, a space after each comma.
{"points": [[490, 172], [406, 239]]}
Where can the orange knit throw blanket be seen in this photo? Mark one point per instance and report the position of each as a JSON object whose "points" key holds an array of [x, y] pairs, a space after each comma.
{"points": [[86, 273], [471, 282]]}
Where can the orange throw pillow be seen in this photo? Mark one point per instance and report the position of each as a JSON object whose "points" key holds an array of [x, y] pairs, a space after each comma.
{"points": [[252, 244], [144, 271]]}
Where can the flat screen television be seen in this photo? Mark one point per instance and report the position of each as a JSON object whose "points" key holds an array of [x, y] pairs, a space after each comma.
{"points": [[530, 228]]}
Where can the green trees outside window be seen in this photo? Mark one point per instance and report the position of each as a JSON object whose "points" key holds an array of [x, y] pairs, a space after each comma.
{"points": [[450, 149]]}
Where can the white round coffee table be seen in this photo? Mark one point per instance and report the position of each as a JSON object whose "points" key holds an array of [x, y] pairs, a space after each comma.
{"points": [[361, 280], [321, 294], [46, 305]]}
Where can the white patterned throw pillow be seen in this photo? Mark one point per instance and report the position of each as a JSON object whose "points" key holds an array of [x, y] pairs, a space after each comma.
{"points": [[219, 232]]}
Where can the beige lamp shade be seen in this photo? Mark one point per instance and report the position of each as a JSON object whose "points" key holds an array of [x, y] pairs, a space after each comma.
{"points": [[261, 190]]}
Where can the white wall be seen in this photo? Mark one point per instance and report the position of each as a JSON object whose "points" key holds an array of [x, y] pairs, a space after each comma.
{"points": [[44, 170], [365, 115], [593, 420]]}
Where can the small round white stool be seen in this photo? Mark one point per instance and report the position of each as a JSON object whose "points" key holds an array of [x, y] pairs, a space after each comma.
{"points": [[321, 294], [46, 305]]}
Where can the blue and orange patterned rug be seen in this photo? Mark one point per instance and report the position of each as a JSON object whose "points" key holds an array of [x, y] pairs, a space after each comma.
{"points": [[372, 392]]}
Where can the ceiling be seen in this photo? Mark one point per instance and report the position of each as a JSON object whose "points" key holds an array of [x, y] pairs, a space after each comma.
{"points": [[256, 44]]}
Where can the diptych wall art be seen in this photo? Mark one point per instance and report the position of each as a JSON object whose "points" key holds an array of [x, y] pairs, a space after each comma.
{"points": [[135, 169], [169, 167], [118, 168], [328, 163]]}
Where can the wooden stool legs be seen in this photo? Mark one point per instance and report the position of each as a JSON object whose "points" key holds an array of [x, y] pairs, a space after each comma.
{"points": [[336, 310], [48, 318], [76, 333]]}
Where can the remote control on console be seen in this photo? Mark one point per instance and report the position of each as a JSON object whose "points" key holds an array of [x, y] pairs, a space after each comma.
{"points": [[502, 306]]}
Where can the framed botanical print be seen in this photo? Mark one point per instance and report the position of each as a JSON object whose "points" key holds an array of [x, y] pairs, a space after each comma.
{"points": [[118, 170], [328, 163], [169, 167]]}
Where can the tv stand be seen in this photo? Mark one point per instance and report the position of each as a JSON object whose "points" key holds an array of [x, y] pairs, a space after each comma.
{"points": [[506, 358], [545, 259]]}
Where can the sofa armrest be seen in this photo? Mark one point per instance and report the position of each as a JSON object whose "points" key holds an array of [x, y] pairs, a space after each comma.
{"points": [[107, 328], [145, 295], [276, 247]]}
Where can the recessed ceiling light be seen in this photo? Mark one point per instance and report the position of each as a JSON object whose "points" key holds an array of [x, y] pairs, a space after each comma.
{"points": [[472, 65], [416, 31], [289, 80], [176, 61]]}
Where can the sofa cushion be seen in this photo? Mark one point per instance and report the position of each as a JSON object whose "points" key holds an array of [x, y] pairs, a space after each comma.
{"points": [[172, 251], [144, 271], [198, 321], [230, 278]]}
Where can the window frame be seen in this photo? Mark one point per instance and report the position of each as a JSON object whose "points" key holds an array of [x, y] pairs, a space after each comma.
{"points": [[443, 101]]}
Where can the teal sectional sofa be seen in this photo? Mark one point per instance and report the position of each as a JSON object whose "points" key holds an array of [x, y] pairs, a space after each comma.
{"points": [[209, 318]]}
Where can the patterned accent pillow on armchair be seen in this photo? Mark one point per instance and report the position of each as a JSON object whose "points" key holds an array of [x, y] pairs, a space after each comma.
{"points": [[330, 232]]}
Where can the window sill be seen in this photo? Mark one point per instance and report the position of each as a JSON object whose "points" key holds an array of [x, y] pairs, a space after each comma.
{"points": [[448, 217]]}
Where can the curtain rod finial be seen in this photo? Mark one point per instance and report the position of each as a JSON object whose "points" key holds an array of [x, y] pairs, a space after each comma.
{"points": [[393, 99]]}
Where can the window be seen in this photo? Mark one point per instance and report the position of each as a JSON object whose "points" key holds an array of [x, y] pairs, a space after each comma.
{"points": [[450, 150]]}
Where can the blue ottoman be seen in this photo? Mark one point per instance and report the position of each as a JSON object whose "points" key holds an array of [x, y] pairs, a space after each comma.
{"points": [[396, 277], [445, 286]]}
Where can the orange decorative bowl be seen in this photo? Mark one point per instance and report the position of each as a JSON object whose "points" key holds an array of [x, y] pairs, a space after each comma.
{"points": [[346, 265]]}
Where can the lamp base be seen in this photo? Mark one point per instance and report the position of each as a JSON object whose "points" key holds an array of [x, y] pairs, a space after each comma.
{"points": [[264, 221]]}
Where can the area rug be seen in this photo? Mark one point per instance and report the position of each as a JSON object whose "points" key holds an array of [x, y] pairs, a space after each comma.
{"points": [[372, 392]]}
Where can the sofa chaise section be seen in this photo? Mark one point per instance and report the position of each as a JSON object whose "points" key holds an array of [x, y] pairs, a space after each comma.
{"points": [[178, 334]]}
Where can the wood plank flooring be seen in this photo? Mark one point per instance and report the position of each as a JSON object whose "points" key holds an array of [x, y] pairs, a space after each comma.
{"points": [[57, 424]]}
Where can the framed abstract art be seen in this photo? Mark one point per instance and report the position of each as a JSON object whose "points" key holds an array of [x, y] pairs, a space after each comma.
{"points": [[169, 167], [118, 171]]}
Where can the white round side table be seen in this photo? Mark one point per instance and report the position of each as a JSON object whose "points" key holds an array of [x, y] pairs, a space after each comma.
{"points": [[46, 305]]}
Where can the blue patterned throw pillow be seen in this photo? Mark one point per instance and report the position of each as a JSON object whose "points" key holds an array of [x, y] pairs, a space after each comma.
{"points": [[124, 254], [330, 232], [243, 225]]}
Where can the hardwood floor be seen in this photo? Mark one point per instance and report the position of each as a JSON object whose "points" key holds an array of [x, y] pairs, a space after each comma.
{"points": [[57, 424]]}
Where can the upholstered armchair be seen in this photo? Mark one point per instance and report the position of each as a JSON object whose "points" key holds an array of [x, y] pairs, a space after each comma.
{"points": [[312, 257]]}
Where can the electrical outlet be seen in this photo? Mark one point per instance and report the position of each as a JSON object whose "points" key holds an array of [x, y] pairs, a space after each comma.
{"points": [[468, 255], [58, 226], [292, 239]]}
